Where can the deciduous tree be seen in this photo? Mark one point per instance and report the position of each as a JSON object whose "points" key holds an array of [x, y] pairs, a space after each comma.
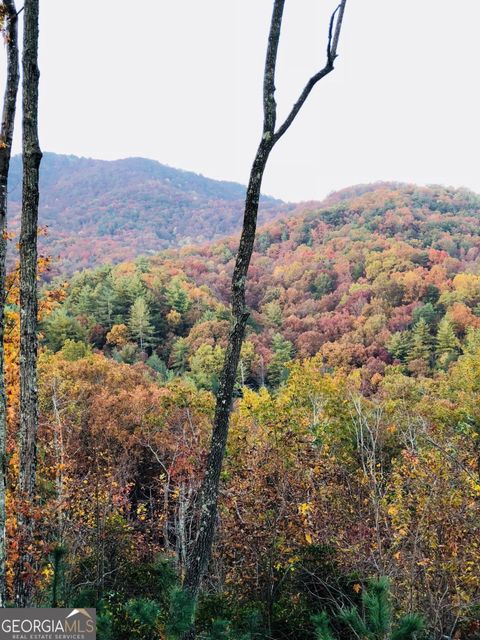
{"points": [[201, 550], [32, 156], [8, 16]]}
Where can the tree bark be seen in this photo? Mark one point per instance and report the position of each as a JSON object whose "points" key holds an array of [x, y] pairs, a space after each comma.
{"points": [[6, 136], [28, 307], [208, 501]]}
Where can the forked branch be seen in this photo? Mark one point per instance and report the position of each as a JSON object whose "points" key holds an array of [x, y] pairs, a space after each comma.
{"points": [[334, 30]]}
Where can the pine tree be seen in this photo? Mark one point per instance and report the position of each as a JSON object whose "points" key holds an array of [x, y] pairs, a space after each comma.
{"points": [[106, 302], [374, 620], [399, 345], [179, 355], [139, 323], [142, 615], [177, 297], [182, 608], [421, 342], [273, 312], [448, 344], [61, 327], [158, 365], [219, 630], [472, 341], [427, 312], [86, 301], [322, 627], [127, 289], [58, 554], [283, 351]]}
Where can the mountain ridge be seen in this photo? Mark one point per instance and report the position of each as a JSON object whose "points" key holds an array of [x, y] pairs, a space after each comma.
{"points": [[99, 211], [110, 211], [346, 281]]}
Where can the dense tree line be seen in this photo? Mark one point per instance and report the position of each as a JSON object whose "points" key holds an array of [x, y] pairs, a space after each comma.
{"points": [[359, 296], [395, 468]]}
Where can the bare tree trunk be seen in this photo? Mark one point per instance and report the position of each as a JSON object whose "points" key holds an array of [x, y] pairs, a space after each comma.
{"points": [[60, 461], [6, 136], [201, 551], [28, 306]]}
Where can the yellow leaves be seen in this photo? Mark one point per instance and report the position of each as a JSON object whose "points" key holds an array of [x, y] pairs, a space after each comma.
{"points": [[46, 574], [3, 15], [174, 318], [142, 512], [424, 562], [118, 335], [357, 587], [475, 487], [304, 508], [392, 510], [47, 571], [467, 285]]}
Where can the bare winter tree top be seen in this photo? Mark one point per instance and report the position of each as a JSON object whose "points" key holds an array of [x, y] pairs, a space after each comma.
{"points": [[269, 103]]}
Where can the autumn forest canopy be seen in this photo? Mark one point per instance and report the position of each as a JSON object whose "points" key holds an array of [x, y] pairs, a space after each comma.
{"points": [[224, 431]]}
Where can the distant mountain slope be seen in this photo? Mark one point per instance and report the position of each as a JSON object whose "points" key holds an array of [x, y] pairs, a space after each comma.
{"points": [[340, 237], [391, 275], [107, 211]]}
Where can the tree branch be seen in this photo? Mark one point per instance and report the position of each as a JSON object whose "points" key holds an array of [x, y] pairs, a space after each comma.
{"points": [[269, 104], [338, 28], [330, 57], [333, 39]]}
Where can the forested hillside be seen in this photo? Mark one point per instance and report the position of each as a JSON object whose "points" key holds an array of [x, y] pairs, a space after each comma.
{"points": [[96, 211], [366, 281], [224, 416], [354, 445]]}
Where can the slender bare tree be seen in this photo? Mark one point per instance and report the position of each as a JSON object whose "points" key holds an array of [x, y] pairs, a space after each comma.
{"points": [[32, 156], [10, 19], [200, 553]]}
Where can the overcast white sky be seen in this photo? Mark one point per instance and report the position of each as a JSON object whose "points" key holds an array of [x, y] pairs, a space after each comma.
{"points": [[180, 81]]}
